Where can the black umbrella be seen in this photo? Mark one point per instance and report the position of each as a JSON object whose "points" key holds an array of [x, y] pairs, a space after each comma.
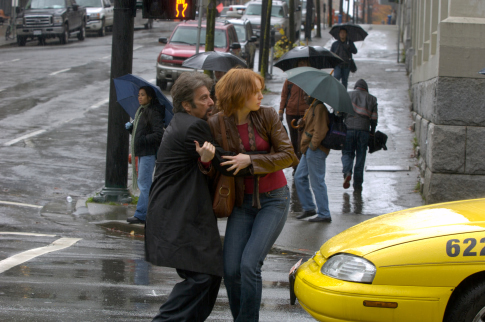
{"points": [[318, 57], [214, 60], [354, 32]]}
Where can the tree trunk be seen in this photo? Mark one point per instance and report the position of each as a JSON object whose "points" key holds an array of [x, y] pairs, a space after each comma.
{"points": [[210, 29], [291, 35], [330, 14], [319, 27], [266, 49]]}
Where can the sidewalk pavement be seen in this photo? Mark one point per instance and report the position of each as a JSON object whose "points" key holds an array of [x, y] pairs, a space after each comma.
{"points": [[3, 41], [391, 176]]}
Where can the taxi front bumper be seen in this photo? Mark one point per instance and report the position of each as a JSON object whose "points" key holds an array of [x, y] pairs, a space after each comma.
{"points": [[329, 299]]}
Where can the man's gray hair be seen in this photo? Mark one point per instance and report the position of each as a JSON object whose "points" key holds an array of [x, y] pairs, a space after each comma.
{"points": [[184, 87]]}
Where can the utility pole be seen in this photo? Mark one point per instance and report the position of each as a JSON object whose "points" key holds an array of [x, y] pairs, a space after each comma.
{"points": [[348, 7], [319, 27], [116, 175]]}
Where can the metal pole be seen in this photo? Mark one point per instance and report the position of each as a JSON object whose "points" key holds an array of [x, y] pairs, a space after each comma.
{"points": [[199, 27], [398, 29], [116, 175]]}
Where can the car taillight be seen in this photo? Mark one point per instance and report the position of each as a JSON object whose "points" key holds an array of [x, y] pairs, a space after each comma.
{"points": [[230, 9]]}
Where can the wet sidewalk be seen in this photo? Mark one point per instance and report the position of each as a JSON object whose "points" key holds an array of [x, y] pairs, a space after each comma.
{"points": [[391, 176]]}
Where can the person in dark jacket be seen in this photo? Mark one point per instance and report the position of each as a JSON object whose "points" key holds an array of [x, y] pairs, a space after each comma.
{"points": [[360, 127], [147, 131], [292, 99], [181, 228], [344, 48]]}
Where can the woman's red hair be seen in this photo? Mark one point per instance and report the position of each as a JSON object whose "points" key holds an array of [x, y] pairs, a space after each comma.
{"points": [[234, 88]]}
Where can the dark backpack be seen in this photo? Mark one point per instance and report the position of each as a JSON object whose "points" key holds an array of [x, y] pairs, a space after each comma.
{"points": [[337, 133]]}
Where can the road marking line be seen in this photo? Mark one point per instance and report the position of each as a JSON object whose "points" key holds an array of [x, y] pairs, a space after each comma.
{"points": [[100, 103], [10, 61], [59, 71], [106, 57], [25, 234], [20, 258], [1, 90], [9, 143], [136, 48], [19, 204], [152, 80]]}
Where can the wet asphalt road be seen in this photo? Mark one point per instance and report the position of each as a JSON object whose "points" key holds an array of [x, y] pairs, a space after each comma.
{"points": [[53, 115]]}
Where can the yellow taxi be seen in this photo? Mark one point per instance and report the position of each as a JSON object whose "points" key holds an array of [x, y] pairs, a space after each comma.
{"points": [[420, 264]]}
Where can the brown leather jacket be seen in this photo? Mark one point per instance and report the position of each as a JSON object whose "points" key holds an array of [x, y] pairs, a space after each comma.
{"points": [[266, 122]]}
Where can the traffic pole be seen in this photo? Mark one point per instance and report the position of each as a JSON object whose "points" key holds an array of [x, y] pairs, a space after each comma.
{"points": [[116, 175]]}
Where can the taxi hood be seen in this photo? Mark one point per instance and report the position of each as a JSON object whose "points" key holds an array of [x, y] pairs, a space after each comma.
{"points": [[407, 226]]}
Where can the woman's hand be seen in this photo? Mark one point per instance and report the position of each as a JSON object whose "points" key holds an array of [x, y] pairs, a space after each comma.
{"points": [[237, 162], [206, 152]]}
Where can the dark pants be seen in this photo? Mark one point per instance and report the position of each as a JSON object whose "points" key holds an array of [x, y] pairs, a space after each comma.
{"points": [[191, 299], [294, 133], [342, 73], [355, 148]]}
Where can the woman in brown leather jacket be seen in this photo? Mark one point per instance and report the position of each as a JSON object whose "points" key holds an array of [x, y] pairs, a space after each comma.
{"points": [[262, 200]]}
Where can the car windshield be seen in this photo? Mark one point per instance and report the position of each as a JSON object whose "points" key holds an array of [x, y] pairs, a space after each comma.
{"points": [[90, 3], [45, 4], [241, 32], [188, 35], [255, 10]]}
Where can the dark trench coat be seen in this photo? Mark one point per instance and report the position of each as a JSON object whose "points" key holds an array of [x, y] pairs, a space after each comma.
{"points": [[181, 228]]}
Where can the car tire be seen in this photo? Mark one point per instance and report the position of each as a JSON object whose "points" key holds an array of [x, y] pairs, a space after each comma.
{"points": [[468, 303], [162, 84], [64, 38], [82, 32], [21, 40], [41, 41], [102, 31]]}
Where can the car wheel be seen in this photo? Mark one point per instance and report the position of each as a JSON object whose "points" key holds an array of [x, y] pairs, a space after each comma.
{"points": [[162, 84], [64, 38], [102, 31], [41, 41], [82, 32], [468, 304], [21, 40]]}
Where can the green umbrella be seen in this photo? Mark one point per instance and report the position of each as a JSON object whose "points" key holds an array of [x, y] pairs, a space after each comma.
{"points": [[322, 86]]}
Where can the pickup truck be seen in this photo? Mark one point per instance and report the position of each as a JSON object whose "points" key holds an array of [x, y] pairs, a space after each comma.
{"points": [[100, 15], [43, 19]]}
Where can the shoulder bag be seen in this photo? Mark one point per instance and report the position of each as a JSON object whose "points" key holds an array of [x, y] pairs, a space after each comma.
{"points": [[224, 188]]}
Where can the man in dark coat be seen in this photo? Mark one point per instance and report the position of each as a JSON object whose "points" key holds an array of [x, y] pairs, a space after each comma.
{"points": [[344, 48], [181, 228]]}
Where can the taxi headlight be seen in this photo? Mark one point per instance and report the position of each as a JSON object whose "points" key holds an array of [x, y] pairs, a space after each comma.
{"points": [[349, 268]]}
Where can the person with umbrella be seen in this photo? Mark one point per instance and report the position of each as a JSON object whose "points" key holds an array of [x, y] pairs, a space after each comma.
{"points": [[311, 170], [292, 99], [343, 47], [357, 139], [146, 135]]}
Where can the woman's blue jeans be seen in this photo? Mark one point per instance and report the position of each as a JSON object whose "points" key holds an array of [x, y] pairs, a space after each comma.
{"points": [[311, 170], [146, 165], [250, 234], [356, 143], [342, 73]]}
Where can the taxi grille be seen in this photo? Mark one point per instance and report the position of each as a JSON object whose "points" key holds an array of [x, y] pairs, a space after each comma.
{"points": [[37, 21]]}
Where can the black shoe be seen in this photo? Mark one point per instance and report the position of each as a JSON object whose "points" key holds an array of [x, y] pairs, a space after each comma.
{"points": [[321, 219], [305, 214], [135, 220]]}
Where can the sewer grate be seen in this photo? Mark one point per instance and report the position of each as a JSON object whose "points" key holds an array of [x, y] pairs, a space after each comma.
{"points": [[386, 168]]}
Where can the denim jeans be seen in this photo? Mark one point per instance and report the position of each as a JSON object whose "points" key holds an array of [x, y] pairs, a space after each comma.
{"points": [[250, 234], [146, 166], [311, 170], [355, 147], [342, 73]]}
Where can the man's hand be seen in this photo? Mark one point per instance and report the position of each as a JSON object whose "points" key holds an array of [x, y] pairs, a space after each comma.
{"points": [[281, 117], [206, 152], [237, 162]]}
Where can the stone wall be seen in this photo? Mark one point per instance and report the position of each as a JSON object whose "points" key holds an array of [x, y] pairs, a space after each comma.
{"points": [[449, 115]]}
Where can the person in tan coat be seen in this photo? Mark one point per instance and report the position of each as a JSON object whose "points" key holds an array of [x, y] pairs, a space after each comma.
{"points": [[311, 170]]}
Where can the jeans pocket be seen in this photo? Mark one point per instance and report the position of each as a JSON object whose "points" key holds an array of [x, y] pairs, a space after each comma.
{"points": [[281, 193]]}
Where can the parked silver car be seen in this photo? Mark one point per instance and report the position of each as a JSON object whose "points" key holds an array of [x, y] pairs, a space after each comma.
{"points": [[247, 39], [279, 17]]}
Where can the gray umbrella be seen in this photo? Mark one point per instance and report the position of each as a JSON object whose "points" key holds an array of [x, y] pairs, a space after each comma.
{"points": [[214, 60]]}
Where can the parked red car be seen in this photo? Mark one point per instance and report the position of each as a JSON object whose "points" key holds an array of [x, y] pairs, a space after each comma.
{"points": [[182, 45]]}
